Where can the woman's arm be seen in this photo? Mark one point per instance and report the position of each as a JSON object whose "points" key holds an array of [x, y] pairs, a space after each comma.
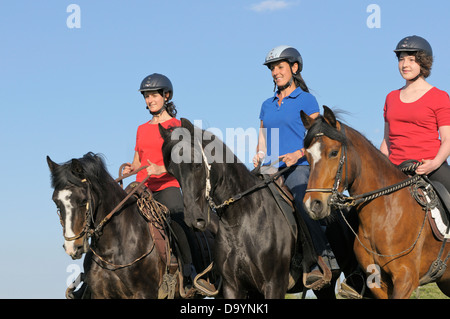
{"points": [[444, 152], [384, 147], [261, 148]]}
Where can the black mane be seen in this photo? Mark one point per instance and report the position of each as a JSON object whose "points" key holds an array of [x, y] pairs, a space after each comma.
{"points": [[320, 127], [93, 168]]}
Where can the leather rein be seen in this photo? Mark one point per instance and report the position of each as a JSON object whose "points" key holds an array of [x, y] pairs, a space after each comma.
{"points": [[340, 200]]}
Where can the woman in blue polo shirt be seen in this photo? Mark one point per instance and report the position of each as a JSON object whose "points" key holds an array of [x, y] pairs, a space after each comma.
{"points": [[281, 137]]}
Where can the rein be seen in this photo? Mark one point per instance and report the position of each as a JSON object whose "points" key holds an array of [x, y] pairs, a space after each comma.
{"points": [[238, 196], [98, 229], [338, 199]]}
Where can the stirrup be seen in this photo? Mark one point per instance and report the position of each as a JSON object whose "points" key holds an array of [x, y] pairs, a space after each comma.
{"points": [[322, 282], [348, 292], [204, 286]]}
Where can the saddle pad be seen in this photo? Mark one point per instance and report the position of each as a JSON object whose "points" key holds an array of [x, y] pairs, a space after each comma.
{"points": [[438, 216]]}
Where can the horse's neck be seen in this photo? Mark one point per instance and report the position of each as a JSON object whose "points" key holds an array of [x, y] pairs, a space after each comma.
{"points": [[371, 169], [126, 222], [235, 179]]}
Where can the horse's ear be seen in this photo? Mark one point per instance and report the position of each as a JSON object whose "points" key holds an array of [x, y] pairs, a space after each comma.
{"points": [[329, 116], [188, 125], [77, 168], [306, 119], [165, 133], [51, 165]]}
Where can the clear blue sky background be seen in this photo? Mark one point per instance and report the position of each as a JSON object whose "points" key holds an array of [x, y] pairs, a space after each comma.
{"points": [[64, 92]]}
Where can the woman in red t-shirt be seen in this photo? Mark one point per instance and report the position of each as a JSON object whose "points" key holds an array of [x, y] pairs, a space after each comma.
{"points": [[417, 116], [158, 91]]}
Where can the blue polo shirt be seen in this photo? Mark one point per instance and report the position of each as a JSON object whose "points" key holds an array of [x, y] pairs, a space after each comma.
{"points": [[285, 121]]}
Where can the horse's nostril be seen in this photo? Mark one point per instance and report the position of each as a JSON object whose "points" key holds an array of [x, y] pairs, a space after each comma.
{"points": [[316, 206]]}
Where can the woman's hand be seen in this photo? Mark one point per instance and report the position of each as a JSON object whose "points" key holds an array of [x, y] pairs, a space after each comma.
{"points": [[127, 169], [292, 158], [154, 169], [258, 158], [427, 167]]}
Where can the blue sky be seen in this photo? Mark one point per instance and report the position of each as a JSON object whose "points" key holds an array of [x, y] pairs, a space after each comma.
{"points": [[67, 91]]}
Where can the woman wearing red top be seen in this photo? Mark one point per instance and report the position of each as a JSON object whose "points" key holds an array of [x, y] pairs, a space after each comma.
{"points": [[417, 116], [158, 91]]}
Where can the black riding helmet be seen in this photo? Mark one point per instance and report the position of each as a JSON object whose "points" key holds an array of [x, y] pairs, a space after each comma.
{"points": [[157, 82], [413, 43]]}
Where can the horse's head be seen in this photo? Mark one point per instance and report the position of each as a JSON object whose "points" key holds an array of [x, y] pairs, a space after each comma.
{"points": [[325, 146], [185, 159], [74, 200]]}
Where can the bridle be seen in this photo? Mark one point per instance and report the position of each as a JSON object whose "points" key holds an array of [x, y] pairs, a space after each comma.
{"points": [[88, 226], [89, 217], [340, 200], [336, 197]]}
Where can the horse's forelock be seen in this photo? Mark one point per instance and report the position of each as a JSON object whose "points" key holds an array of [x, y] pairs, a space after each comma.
{"points": [[93, 166], [320, 126]]}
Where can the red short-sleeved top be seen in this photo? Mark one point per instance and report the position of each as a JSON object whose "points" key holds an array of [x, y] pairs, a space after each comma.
{"points": [[148, 146], [413, 127]]}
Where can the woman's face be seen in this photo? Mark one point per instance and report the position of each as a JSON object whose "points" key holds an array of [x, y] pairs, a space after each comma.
{"points": [[408, 67], [154, 100], [281, 72]]}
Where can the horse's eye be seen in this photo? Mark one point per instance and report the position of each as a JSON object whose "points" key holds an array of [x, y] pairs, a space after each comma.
{"points": [[334, 154]]}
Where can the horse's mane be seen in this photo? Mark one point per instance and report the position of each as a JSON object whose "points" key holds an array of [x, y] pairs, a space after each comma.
{"points": [[228, 160], [94, 169], [320, 126], [206, 137]]}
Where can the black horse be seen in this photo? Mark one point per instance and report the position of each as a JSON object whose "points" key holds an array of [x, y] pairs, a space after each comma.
{"points": [[255, 245], [122, 260]]}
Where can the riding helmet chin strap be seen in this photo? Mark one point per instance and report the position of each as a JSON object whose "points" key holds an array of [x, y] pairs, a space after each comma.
{"points": [[159, 111], [284, 87]]}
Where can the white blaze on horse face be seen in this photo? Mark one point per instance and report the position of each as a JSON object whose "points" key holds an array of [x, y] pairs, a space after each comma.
{"points": [[315, 153], [64, 197]]}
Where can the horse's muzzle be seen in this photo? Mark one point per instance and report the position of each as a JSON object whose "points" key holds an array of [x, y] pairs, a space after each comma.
{"points": [[317, 208], [76, 249]]}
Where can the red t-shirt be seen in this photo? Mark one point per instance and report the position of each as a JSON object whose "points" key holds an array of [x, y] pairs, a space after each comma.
{"points": [[148, 145], [413, 127]]}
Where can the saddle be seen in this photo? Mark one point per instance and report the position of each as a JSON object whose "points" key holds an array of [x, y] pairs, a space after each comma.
{"points": [[434, 196], [165, 232], [282, 196], [304, 246]]}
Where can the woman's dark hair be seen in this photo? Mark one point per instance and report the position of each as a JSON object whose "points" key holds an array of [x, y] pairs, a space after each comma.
{"points": [[424, 60], [299, 82], [170, 106], [171, 109]]}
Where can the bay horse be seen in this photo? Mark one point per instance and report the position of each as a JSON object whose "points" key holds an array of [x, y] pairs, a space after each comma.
{"points": [[395, 243], [254, 244], [121, 260]]}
